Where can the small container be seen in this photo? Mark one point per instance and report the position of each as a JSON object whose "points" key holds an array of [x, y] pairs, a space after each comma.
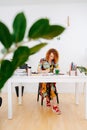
{"points": [[73, 73], [29, 71], [56, 71]]}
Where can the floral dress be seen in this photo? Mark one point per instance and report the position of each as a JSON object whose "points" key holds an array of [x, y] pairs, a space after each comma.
{"points": [[47, 89]]}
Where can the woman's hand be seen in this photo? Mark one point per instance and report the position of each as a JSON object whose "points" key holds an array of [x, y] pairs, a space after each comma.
{"points": [[43, 71], [47, 70]]}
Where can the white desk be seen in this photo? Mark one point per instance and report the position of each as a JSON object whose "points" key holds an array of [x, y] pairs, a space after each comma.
{"points": [[52, 78]]}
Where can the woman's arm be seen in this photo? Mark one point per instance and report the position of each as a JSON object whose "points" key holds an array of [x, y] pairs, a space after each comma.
{"points": [[39, 70], [43, 66]]}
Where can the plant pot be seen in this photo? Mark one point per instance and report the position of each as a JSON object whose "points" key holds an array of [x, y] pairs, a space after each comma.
{"points": [[0, 101]]}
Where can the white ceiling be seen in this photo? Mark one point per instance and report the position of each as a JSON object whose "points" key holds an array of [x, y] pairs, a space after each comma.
{"points": [[25, 2]]}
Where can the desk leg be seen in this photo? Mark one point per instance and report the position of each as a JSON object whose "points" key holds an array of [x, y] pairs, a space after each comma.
{"points": [[9, 100], [77, 93], [84, 84], [86, 101], [20, 93]]}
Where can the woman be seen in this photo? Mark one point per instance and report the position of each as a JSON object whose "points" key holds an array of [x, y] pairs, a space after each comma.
{"points": [[47, 65]]}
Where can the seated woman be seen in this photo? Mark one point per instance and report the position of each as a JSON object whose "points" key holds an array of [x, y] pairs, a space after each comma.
{"points": [[47, 65]]}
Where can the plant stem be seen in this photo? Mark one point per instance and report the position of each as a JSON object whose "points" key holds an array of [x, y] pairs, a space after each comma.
{"points": [[11, 50]]}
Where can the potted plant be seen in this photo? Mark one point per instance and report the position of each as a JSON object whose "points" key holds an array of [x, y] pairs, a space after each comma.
{"points": [[82, 69], [13, 42]]}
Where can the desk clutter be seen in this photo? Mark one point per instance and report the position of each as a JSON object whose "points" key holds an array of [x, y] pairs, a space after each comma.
{"points": [[23, 70], [73, 69]]}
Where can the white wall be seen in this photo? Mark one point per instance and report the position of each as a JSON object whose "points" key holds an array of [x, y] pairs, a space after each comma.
{"points": [[73, 42]]}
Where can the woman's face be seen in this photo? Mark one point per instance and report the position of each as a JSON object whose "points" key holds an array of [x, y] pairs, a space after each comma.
{"points": [[51, 56]]}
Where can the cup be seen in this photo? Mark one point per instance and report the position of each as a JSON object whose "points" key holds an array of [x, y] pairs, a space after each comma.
{"points": [[56, 71]]}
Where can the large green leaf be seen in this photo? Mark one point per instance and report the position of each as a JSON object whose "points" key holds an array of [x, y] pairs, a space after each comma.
{"points": [[5, 36], [20, 56], [6, 68], [6, 72], [42, 29], [19, 27], [53, 31], [2, 82], [36, 48], [38, 28]]}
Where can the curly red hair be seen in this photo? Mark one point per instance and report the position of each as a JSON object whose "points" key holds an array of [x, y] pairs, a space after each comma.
{"points": [[56, 54]]}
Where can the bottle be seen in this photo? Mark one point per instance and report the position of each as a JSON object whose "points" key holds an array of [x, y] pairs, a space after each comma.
{"points": [[72, 66], [29, 71]]}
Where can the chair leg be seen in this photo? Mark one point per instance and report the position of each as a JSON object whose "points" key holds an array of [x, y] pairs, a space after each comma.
{"points": [[0, 101], [57, 98], [42, 100], [38, 97], [17, 91], [38, 94], [22, 90]]}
